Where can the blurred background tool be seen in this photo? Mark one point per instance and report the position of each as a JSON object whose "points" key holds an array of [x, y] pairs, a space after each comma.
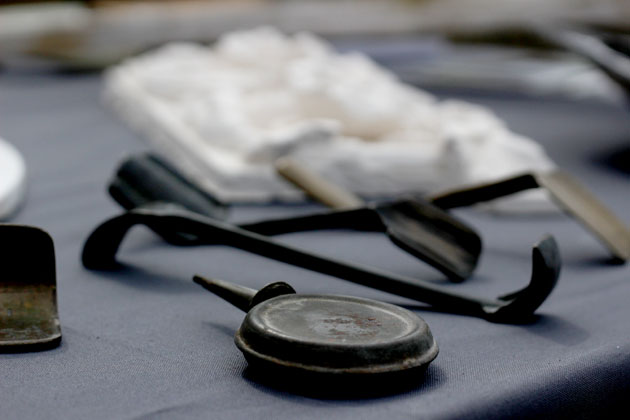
{"points": [[94, 34], [608, 51]]}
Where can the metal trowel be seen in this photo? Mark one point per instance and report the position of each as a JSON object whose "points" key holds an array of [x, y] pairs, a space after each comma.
{"points": [[28, 290]]}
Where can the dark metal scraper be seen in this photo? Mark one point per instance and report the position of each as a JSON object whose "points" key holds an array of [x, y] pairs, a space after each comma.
{"points": [[28, 290]]}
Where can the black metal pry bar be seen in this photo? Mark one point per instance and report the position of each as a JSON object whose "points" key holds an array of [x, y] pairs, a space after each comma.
{"points": [[100, 249]]}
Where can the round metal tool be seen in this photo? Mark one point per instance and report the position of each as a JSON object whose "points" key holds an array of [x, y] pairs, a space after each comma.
{"points": [[326, 334]]}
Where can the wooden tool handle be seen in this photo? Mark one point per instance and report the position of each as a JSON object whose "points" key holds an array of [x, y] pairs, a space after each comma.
{"points": [[317, 187]]}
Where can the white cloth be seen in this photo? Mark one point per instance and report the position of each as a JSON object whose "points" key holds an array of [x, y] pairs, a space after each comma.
{"points": [[12, 179], [223, 114]]}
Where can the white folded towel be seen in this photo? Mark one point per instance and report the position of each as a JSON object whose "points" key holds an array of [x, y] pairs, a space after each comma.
{"points": [[223, 114]]}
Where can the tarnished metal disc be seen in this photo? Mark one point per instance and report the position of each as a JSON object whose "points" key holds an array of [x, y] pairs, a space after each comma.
{"points": [[335, 334]]}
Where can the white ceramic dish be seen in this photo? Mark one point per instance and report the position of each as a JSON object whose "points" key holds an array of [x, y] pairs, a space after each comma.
{"points": [[12, 179]]}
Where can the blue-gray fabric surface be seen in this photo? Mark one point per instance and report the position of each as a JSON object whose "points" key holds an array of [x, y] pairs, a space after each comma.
{"points": [[146, 342]]}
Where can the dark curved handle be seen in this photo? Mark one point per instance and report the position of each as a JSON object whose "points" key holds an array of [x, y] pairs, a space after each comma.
{"points": [[484, 192], [546, 265], [363, 219]]}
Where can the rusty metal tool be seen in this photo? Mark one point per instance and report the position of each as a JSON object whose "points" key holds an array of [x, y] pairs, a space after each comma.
{"points": [[573, 198], [328, 336], [99, 252], [28, 290], [417, 227]]}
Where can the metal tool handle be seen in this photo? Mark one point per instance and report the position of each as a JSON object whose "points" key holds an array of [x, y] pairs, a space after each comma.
{"points": [[316, 186], [467, 196], [243, 297], [146, 178], [363, 219]]}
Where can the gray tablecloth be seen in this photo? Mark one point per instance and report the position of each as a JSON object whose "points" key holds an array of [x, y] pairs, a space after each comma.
{"points": [[146, 342]]}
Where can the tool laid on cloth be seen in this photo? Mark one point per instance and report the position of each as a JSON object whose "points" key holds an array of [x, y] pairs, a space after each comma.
{"points": [[99, 252], [330, 336], [417, 227], [28, 290], [144, 179], [565, 191], [12, 179], [570, 196]]}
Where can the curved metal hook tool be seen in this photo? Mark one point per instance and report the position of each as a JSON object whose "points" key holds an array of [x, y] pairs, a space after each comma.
{"points": [[100, 249]]}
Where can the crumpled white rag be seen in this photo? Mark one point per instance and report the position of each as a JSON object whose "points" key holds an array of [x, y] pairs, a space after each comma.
{"points": [[223, 114]]}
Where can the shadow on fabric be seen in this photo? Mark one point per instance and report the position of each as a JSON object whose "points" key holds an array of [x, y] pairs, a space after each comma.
{"points": [[341, 388]]}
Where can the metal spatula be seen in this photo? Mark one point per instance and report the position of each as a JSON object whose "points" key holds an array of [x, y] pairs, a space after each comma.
{"points": [[28, 290]]}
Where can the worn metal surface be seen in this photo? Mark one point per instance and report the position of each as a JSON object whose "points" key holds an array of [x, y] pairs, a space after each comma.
{"points": [[335, 334], [325, 334], [28, 301]]}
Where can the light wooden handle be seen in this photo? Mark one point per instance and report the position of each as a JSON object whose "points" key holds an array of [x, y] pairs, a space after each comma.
{"points": [[317, 187]]}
